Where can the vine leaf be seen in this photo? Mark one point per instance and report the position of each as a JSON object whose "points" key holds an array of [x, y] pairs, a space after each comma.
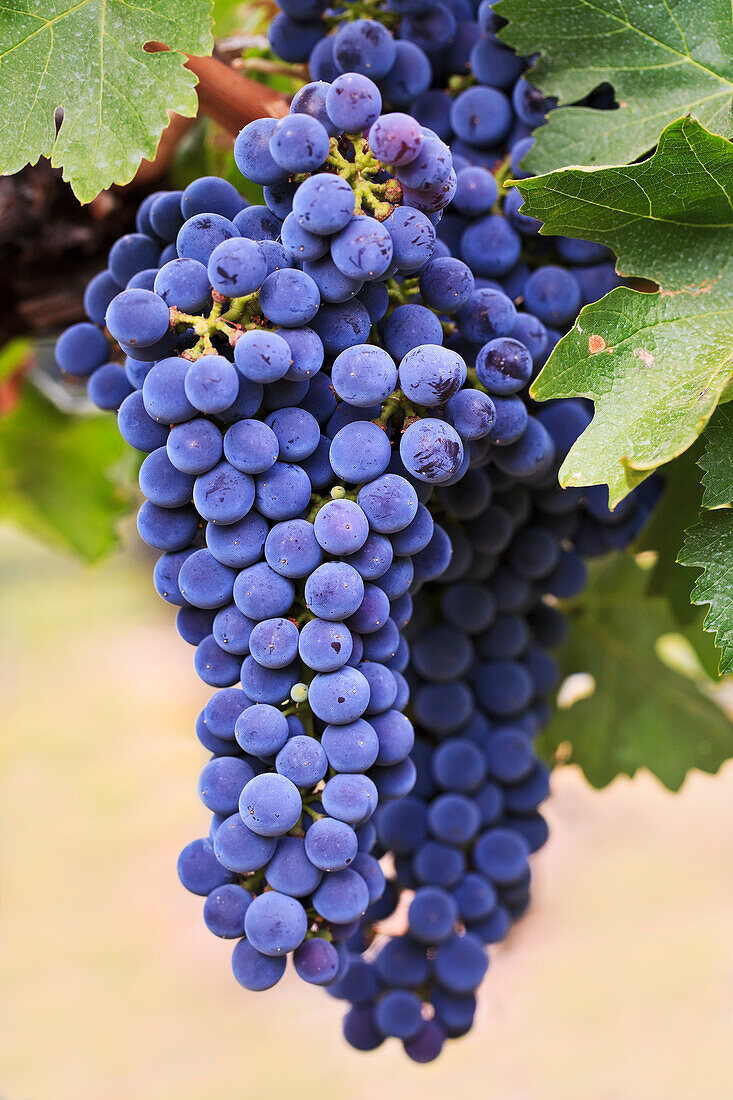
{"points": [[663, 60], [54, 475], [668, 219], [642, 713], [88, 58], [655, 366], [717, 462], [677, 508], [709, 545]]}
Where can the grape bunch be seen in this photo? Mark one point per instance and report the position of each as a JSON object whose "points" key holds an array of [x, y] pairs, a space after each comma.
{"points": [[479, 672], [356, 504], [288, 465], [480, 676]]}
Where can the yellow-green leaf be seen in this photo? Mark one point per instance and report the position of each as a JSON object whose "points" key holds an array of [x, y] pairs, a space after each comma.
{"points": [[88, 58], [55, 478], [642, 713], [663, 59], [709, 546], [655, 366]]}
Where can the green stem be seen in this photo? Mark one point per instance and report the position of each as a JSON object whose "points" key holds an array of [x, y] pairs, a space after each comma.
{"points": [[377, 198], [472, 377], [502, 173], [320, 934], [401, 293], [254, 881], [393, 405], [460, 82], [306, 716], [312, 813], [239, 306], [365, 9]]}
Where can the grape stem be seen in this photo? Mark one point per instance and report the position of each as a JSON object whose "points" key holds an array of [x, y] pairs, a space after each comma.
{"points": [[229, 324], [401, 293], [312, 813], [459, 82], [318, 502], [254, 881], [472, 377], [501, 175], [365, 9], [379, 199], [320, 934], [395, 405]]}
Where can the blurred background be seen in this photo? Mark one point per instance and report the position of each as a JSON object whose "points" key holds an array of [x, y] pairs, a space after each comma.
{"points": [[618, 981]]}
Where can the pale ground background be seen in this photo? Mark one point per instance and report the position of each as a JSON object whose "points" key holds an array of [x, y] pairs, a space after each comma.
{"points": [[618, 984]]}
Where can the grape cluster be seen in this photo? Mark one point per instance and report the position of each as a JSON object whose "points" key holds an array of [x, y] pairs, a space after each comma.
{"points": [[356, 504], [480, 676], [288, 465]]}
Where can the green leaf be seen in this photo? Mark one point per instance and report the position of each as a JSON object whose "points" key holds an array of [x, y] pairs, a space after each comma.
{"points": [[88, 58], [238, 17], [55, 475], [669, 219], [709, 545], [663, 60], [676, 509], [717, 462], [655, 366], [642, 714], [12, 356]]}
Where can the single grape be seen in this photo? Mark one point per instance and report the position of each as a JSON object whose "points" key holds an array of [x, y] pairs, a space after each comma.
{"points": [[303, 761], [413, 238], [135, 317], [223, 494], [364, 46], [353, 103], [256, 971], [199, 870], [430, 375], [275, 923], [299, 143], [362, 249], [342, 896], [270, 805], [431, 450], [211, 384], [199, 236], [360, 452], [252, 153], [250, 446], [316, 961], [331, 844], [237, 267]]}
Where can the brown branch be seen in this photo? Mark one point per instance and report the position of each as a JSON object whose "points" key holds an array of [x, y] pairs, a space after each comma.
{"points": [[231, 99], [225, 95]]}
